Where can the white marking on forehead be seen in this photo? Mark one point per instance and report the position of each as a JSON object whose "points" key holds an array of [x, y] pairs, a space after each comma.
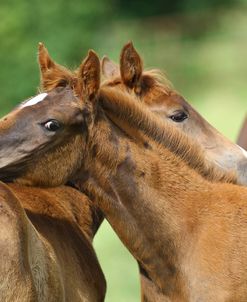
{"points": [[244, 152], [35, 100]]}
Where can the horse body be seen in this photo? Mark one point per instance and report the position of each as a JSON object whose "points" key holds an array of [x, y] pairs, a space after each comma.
{"points": [[153, 185], [152, 89], [161, 208], [166, 215], [46, 247]]}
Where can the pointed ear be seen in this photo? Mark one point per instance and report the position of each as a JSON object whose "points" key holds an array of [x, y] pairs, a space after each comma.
{"points": [[45, 61], [51, 74], [131, 67], [109, 68], [89, 76]]}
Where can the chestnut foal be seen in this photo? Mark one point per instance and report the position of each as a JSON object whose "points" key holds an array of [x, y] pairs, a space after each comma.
{"points": [[187, 232], [45, 234], [153, 89]]}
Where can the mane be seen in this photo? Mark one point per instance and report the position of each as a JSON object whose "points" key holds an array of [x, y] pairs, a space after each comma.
{"points": [[124, 107], [152, 76], [159, 79]]}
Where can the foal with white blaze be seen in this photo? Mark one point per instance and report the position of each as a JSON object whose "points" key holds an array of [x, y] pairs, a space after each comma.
{"points": [[45, 233], [189, 234]]}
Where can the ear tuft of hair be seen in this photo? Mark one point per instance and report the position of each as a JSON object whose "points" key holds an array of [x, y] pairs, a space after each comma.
{"points": [[131, 66], [89, 75], [52, 74]]}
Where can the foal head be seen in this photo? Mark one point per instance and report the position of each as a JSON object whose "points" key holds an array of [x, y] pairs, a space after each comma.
{"points": [[153, 89], [43, 127], [61, 121]]}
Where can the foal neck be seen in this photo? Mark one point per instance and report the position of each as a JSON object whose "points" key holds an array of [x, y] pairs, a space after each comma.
{"points": [[125, 108], [144, 191]]}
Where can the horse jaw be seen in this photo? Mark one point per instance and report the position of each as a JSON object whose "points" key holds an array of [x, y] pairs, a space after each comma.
{"points": [[231, 158]]}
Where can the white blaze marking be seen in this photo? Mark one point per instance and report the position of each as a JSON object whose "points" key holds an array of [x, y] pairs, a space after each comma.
{"points": [[35, 100]]}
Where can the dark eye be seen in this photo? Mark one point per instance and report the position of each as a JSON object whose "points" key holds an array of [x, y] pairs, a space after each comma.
{"points": [[52, 125], [63, 83], [179, 116]]}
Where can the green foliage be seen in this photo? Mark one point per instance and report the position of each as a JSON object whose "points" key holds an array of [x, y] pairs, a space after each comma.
{"points": [[203, 53], [68, 28], [120, 268], [139, 8]]}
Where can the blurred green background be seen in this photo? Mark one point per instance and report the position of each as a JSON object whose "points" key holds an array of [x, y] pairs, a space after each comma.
{"points": [[201, 45]]}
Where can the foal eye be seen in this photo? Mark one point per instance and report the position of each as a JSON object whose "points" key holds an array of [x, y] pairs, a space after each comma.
{"points": [[52, 125], [63, 83], [179, 116]]}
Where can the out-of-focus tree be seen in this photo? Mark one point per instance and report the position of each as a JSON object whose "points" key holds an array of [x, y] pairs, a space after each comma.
{"points": [[139, 8], [68, 28]]}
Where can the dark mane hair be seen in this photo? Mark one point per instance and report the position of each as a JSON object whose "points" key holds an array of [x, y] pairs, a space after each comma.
{"points": [[158, 78], [149, 77], [125, 108]]}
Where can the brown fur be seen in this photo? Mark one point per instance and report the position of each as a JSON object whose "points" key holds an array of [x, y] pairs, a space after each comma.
{"points": [[163, 133], [46, 247], [154, 90], [131, 72], [46, 234], [52, 74], [86, 86], [188, 234]]}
